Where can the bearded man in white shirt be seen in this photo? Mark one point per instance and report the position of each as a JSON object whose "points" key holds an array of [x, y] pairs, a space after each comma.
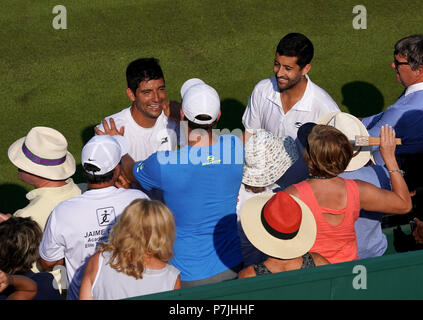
{"points": [[283, 103]]}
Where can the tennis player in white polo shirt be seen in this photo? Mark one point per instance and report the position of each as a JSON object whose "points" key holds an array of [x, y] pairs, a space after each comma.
{"points": [[283, 103], [77, 225]]}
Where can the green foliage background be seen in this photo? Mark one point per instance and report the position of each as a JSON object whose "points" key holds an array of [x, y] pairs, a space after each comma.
{"points": [[71, 79]]}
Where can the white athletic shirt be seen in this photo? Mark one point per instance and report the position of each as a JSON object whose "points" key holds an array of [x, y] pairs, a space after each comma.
{"points": [[77, 225], [146, 141], [264, 109], [110, 284]]}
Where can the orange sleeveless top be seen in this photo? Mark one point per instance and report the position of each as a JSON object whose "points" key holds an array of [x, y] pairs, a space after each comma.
{"points": [[335, 243]]}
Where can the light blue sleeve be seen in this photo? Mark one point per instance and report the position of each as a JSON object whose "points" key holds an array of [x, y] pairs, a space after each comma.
{"points": [[390, 117], [148, 173]]}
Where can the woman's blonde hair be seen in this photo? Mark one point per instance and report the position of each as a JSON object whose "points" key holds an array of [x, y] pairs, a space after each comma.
{"points": [[329, 152], [145, 228]]}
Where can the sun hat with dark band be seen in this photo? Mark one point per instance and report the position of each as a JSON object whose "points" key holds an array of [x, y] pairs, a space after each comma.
{"points": [[280, 225], [351, 127], [43, 152]]}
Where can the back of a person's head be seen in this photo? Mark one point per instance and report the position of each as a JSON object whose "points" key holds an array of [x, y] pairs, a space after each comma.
{"points": [[19, 239], [143, 69], [296, 45], [329, 151], [411, 48], [91, 177], [146, 227]]}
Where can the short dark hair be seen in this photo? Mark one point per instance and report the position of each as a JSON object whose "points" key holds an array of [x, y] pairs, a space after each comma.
{"points": [[92, 178], [208, 127], [296, 45], [20, 239], [411, 48], [143, 69]]}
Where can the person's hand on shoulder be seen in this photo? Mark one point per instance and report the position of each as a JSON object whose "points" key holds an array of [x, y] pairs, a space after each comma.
{"points": [[111, 129]]}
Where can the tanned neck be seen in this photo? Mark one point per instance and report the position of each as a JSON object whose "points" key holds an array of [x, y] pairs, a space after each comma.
{"points": [[291, 96], [45, 183], [198, 140], [100, 185]]}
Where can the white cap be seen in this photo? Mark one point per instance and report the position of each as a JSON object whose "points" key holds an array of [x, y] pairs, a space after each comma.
{"points": [[199, 98], [105, 152]]}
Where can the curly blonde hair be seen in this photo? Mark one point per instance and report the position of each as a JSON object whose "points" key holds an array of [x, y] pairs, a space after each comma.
{"points": [[145, 228]]}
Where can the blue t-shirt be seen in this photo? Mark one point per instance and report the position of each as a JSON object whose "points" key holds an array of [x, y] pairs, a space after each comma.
{"points": [[200, 186]]}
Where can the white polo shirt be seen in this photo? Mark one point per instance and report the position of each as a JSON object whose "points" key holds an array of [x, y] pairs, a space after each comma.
{"points": [[264, 109], [76, 226], [146, 141]]}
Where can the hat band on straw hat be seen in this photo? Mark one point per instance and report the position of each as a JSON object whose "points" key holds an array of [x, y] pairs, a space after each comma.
{"points": [[274, 232], [42, 161]]}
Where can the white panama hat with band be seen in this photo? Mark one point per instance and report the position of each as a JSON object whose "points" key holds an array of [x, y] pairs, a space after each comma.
{"points": [[279, 225], [43, 152], [351, 127]]}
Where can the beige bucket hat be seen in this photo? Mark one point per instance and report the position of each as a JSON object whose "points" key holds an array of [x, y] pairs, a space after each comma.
{"points": [[267, 158], [43, 152]]}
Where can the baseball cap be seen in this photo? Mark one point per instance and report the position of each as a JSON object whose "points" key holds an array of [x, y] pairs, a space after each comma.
{"points": [[104, 152], [198, 98]]}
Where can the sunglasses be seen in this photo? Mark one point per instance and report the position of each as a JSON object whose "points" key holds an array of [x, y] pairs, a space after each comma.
{"points": [[397, 63]]}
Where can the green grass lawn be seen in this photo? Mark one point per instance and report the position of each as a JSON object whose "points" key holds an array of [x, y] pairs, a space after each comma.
{"points": [[71, 79]]}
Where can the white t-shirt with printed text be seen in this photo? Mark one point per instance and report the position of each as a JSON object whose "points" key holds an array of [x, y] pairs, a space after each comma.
{"points": [[76, 226]]}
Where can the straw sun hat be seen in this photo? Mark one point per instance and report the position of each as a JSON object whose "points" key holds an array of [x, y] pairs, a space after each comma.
{"points": [[43, 152], [267, 158], [351, 127], [280, 225]]}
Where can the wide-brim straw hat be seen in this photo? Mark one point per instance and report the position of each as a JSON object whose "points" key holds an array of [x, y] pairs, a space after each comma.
{"points": [[279, 225], [351, 127], [43, 152], [267, 158]]}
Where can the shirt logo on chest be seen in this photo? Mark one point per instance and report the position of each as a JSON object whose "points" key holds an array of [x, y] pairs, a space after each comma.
{"points": [[105, 216], [297, 124]]}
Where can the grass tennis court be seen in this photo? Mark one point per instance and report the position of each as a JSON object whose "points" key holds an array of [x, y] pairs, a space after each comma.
{"points": [[71, 79]]}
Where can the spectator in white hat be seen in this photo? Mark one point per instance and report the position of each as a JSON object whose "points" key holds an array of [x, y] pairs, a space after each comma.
{"points": [[283, 227], [43, 162], [371, 241], [335, 201], [200, 184], [267, 158], [77, 225]]}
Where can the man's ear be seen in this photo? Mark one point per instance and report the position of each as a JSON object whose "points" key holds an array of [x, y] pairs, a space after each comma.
{"points": [[182, 114], [306, 69], [130, 94], [218, 117]]}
